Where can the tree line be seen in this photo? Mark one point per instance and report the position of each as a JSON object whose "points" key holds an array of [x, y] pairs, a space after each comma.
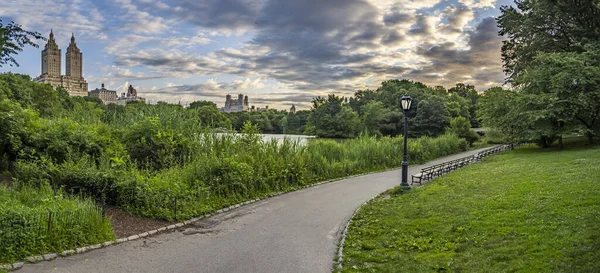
{"points": [[373, 112]]}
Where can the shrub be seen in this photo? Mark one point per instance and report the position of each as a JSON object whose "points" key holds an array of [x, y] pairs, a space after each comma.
{"points": [[154, 147], [35, 221]]}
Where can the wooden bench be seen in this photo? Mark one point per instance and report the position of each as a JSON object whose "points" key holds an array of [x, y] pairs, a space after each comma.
{"points": [[433, 171], [425, 174]]}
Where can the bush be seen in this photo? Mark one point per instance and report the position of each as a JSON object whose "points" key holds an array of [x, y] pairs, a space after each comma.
{"points": [[154, 147], [234, 168], [462, 128], [35, 221]]}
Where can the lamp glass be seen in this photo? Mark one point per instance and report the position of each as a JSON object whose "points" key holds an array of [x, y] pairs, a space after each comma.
{"points": [[406, 103]]}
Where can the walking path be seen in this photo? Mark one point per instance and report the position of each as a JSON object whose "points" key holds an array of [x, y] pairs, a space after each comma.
{"points": [[294, 232]]}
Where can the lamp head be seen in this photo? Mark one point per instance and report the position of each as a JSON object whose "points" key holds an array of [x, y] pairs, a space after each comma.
{"points": [[406, 102]]}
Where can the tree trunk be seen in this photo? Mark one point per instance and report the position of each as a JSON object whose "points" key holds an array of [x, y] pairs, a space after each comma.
{"points": [[544, 142], [560, 143], [590, 138]]}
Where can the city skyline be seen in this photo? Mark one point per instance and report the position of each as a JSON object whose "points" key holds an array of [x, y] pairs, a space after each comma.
{"points": [[278, 52]]}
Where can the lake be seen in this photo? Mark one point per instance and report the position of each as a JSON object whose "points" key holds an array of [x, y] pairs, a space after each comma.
{"points": [[280, 137]]}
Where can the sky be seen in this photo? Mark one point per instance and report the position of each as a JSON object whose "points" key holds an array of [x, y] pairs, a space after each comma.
{"points": [[278, 52]]}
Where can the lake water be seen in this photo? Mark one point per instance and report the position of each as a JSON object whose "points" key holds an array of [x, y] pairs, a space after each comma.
{"points": [[280, 137]]}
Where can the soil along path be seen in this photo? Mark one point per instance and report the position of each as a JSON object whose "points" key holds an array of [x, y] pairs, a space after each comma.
{"points": [[294, 232]]}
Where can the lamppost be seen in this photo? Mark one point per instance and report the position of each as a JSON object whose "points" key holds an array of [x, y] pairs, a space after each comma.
{"points": [[406, 102]]}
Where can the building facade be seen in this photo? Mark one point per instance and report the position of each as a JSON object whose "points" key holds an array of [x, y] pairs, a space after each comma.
{"points": [[239, 105], [130, 96], [293, 109], [107, 96], [73, 81]]}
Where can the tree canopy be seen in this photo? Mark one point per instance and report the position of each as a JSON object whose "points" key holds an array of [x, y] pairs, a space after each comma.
{"points": [[12, 41], [552, 60]]}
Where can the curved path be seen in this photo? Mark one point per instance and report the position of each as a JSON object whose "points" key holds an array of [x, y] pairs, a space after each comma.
{"points": [[294, 232]]}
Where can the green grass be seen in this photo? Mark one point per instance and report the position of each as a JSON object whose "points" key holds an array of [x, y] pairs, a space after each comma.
{"points": [[528, 210], [36, 221]]}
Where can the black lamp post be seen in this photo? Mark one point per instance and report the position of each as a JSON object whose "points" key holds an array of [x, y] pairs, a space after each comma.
{"points": [[406, 102]]}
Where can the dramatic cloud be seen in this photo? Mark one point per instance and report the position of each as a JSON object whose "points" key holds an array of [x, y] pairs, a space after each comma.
{"points": [[282, 51]]}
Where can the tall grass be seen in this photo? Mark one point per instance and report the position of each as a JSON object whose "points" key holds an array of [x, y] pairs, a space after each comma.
{"points": [[35, 221], [231, 169]]}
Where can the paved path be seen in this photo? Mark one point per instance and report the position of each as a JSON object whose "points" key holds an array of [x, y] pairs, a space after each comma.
{"points": [[294, 232]]}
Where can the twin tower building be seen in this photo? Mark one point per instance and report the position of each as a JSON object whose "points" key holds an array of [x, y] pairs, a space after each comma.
{"points": [[73, 81]]}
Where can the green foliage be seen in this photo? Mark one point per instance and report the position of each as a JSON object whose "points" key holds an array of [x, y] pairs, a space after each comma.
{"points": [[251, 168], [202, 103], [519, 211], [551, 26], [462, 128], [468, 102], [154, 147], [36, 221], [12, 41], [374, 114], [431, 117], [552, 60], [333, 118]]}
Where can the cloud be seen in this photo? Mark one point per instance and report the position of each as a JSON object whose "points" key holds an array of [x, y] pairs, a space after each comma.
{"points": [[479, 64], [139, 21], [337, 45], [310, 47], [132, 43], [116, 73], [64, 16], [478, 3]]}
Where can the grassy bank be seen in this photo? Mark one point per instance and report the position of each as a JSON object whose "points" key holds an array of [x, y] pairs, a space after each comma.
{"points": [[528, 210], [227, 170], [36, 221]]}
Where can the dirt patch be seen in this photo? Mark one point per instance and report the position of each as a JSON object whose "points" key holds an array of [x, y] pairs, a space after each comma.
{"points": [[125, 224]]}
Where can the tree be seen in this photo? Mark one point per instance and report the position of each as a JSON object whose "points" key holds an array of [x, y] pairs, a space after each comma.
{"points": [[572, 82], [202, 103], [12, 41], [551, 26], [461, 127], [211, 117], [362, 98], [521, 117], [374, 114], [468, 92], [431, 117], [295, 123], [333, 118]]}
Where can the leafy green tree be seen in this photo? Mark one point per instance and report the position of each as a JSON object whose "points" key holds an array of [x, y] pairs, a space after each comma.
{"points": [[12, 41], [468, 92], [333, 119], [18, 125], [295, 123], [431, 117], [521, 117], [374, 114], [570, 84], [209, 116], [202, 103], [461, 127], [155, 147], [362, 98], [534, 26]]}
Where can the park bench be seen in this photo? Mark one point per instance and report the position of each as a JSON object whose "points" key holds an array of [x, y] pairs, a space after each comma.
{"points": [[433, 171], [425, 174]]}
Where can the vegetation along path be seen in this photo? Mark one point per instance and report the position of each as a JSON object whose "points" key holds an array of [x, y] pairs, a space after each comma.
{"points": [[295, 232], [527, 210]]}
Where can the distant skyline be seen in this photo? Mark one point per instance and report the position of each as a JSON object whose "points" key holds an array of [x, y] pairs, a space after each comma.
{"points": [[278, 52]]}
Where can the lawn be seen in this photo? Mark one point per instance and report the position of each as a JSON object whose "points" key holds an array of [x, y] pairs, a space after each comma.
{"points": [[527, 210]]}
